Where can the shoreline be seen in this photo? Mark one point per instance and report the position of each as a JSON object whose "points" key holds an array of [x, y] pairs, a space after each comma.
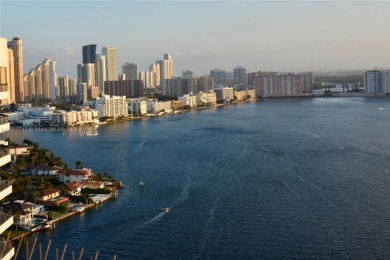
{"points": [[131, 118], [67, 215]]}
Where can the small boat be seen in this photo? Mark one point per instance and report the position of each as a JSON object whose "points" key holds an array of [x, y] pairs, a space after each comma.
{"points": [[165, 210], [141, 184], [380, 109]]}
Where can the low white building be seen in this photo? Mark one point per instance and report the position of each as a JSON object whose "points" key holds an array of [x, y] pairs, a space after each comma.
{"points": [[138, 107], [224, 93], [114, 106], [188, 100], [206, 98], [156, 106], [69, 175], [15, 116], [74, 117]]}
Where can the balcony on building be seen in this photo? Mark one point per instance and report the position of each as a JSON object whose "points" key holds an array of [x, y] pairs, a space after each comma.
{"points": [[7, 251], [6, 220], [4, 123], [5, 189], [5, 157]]}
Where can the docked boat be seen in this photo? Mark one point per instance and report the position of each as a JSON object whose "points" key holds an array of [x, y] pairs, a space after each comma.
{"points": [[165, 210]]}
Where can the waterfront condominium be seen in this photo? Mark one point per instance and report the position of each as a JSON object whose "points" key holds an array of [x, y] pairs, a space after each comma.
{"points": [[273, 84], [111, 54], [376, 81], [17, 48]]}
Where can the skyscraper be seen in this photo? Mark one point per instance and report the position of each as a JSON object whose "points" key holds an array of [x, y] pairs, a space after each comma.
{"points": [[239, 75], [111, 54], [100, 71], [130, 70], [155, 70], [54, 88], [11, 75], [17, 47], [4, 72], [46, 79], [166, 67], [89, 53]]}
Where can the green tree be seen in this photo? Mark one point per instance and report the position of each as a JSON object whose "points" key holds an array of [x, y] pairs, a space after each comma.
{"points": [[79, 165], [64, 207]]}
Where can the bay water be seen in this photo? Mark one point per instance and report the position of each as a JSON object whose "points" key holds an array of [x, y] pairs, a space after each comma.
{"points": [[278, 178]]}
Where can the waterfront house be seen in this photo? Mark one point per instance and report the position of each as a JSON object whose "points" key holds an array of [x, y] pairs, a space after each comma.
{"points": [[24, 212], [73, 188], [44, 169], [70, 175], [51, 197], [49, 193]]}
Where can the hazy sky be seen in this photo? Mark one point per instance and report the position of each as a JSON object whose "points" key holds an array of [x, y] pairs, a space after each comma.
{"points": [[202, 35]]}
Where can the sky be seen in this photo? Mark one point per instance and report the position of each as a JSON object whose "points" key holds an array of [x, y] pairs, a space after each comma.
{"points": [[284, 36]]}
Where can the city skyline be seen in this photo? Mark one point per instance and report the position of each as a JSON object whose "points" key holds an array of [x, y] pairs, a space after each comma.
{"points": [[200, 36]]}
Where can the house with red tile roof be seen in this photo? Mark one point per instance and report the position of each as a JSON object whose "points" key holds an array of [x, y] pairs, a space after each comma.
{"points": [[73, 188], [70, 175], [49, 193], [51, 197]]}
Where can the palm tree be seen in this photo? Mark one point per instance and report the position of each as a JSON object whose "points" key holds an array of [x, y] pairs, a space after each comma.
{"points": [[79, 165]]}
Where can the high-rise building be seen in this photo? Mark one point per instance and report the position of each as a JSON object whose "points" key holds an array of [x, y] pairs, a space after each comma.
{"points": [[7, 219], [128, 88], [89, 53], [17, 47], [111, 106], [86, 73], [155, 70], [11, 76], [100, 71], [38, 82], [46, 79], [287, 84], [239, 75], [177, 87], [4, 72], [31, 78], [188, 74], [54, 88], [166, 67], [221, 77], [64, 86], [130, 70], [111, 54], [376, 81]]}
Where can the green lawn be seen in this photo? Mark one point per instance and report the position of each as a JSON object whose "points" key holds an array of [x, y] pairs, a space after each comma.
{"points": [[13, 233]]}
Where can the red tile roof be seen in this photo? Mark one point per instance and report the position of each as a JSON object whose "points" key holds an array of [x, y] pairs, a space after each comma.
{"points": [[49, 191], [72, 186]]}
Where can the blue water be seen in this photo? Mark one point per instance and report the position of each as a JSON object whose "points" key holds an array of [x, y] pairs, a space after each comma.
{"points": [[282, 178]]}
